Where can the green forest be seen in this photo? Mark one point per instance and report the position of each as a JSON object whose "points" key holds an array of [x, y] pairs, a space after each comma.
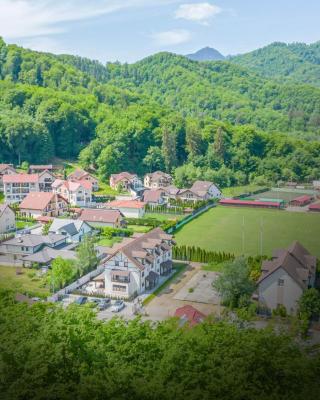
{"points": [[51, 353], [211, 120]]}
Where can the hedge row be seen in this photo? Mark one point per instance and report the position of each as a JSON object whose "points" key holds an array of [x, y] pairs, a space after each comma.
{"points": [[197, 254]]}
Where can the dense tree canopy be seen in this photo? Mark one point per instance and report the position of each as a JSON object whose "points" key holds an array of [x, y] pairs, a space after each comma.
{"points": [[47, 352]]}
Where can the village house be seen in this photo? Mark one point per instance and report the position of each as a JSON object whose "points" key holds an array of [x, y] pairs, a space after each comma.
{"points": [[76, 193], [129, 208], [5, 169], [200, 191], [101, 217], [7, 219], [31, 244], [284, 279], [136, 265], [73, 230], [154, 197], [39, 168], [125, 181], [157, 179], [17, 186], [37, 204], [81, 176]]}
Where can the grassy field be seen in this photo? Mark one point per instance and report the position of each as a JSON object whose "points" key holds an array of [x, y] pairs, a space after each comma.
{"points": [[24, 224], [238, 190], [287, 196], [109, 242], [21, 283], [139, 228], [220, 229]]}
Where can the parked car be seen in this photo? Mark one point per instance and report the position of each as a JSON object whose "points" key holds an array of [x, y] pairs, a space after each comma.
{"points": [[81, 300], [118, 306], [103, 304], [94, 300]]}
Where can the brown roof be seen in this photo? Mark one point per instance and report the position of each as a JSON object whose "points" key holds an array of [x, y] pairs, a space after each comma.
{"points": [[138, 247], [296, 261], [100, 215], [5, 166], [122, 175], [125, 204], [158, 175], [38, 200], [41, 167], [201, 187], [152, 196]]}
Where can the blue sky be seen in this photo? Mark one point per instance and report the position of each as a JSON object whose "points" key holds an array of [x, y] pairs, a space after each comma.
{"points": [[128, 30]]}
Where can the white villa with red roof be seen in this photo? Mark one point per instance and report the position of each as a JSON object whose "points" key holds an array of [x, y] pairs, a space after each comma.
{"points": [[80, 176], [135, 265], [129, 208], [6, 169], [77, 193], [37, 204], [17, 186]]}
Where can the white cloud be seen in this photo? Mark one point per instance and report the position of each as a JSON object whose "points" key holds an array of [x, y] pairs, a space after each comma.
{"points": [[198, 12], [28, 18], [171, 38]]}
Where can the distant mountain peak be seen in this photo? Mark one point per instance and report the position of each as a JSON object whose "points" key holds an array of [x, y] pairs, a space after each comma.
{"points": [[206, 54]]}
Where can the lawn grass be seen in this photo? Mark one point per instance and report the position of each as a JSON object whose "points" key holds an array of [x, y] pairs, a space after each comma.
{"points": [[164, 217], [213, 267], [220, 229], [1, 197], [239, 190], [24, 224], [178, 270], [139, 228], [21, 283], [109, 242]]}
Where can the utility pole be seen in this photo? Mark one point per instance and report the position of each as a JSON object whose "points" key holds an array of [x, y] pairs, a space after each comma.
{"points": [[261, 236]]}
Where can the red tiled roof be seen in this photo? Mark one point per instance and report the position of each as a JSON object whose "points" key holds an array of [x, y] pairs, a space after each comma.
{"points": [[315, 207], [5, 166], [106, 216], [122, 175], [44, 218], [152, 195], [302, 199], [190, 313], [21, 178], [250, 202], [125, 204], [36, 200]]}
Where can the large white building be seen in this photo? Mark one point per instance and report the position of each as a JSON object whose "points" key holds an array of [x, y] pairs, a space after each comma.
{"points": [[7, 219], [136, 264], [17, 186], [76, 193], [286, 277]]}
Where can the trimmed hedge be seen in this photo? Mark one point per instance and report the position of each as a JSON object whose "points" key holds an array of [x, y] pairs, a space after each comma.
{"points": [[197, 254]]}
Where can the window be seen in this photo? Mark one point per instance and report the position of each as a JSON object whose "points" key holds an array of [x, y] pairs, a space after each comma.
{"points": [[116, 263], [119, 288], [280, 282]]}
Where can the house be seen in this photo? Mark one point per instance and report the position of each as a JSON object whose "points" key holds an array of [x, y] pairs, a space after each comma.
{"points": [[38, 169], [101, 217], [37, 204], [30, 244], [5, 169], [77, 193], [125, 181], [129, 208], [189, 314], [135, 265], [284, 278], [80, 176], [17, 186], [157, 179], [7, 219], [206, 190], [301, 201], [47, 255], [316, 185], [73, 230], [154, 197], [188, 195]]}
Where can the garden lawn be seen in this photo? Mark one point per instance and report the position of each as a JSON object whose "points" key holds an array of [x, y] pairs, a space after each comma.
{"points": [[24, 224], [139, 228], [164, 217], [21, 283], [109, 242], [239, 190], [220, 229]]}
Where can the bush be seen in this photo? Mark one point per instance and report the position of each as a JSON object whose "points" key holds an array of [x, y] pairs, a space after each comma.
{"points": [[197, 254], [109, 232], [280, 311]]}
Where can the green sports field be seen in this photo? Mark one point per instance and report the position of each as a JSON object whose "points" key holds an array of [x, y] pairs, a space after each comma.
{"points": [[223, 229]]}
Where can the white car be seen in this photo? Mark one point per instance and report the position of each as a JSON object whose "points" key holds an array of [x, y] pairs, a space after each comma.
{"points": [[117, 306]]}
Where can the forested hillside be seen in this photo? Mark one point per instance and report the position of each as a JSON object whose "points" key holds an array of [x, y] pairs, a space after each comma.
{"points": [[212, 120], [295, 62]]}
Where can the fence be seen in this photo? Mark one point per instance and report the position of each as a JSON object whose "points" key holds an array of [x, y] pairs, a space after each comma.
{"points": [[190, 217], [75, 285]]}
